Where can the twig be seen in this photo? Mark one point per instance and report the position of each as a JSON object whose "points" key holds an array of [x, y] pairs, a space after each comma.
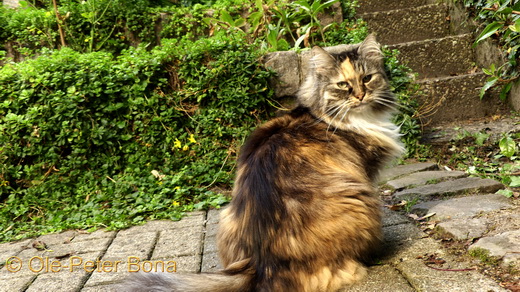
{"points": [[59, 20], [495, 8]]}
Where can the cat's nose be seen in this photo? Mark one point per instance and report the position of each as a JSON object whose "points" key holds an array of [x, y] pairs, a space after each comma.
{"points": [[360, 96]]}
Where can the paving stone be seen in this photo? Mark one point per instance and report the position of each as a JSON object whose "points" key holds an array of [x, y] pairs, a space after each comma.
{"points": [[381, 276], [98, 234], [211, 229], [196, 219], [64, 281], [125, 247], [213, 216], [400, 170], [463, 207], [393, 218], [401, 233], [505, 245], [424, 177], [409, 261], [9, 249], [103, 288], [453, 187], [179, 242], [210, 244], [211, 262], [465, 228], [16, 283]]}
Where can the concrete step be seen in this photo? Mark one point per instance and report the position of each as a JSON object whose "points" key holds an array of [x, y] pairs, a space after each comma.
{"points": [[443, 95], [410, 24], [378, 5], [447, 56]]}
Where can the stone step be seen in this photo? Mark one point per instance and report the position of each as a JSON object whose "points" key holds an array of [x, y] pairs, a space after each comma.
{"points": [[459, 186], [423, 178], [442, 95], [406, 169], [410, 24], [462, 208], [447, 56], [378, 5]]}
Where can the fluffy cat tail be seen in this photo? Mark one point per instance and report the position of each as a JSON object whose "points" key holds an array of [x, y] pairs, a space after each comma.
{"points": [[167, 282]]}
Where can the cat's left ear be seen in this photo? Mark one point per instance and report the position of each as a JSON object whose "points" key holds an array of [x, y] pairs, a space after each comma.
{"points": [[370, 49], [322, 61]]}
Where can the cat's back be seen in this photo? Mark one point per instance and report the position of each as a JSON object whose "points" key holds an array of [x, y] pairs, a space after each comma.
{"points": [[289, 132]]}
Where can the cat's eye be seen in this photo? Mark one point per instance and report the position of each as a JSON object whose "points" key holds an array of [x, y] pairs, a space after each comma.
{"points": [[367, 78], [343, 85]]}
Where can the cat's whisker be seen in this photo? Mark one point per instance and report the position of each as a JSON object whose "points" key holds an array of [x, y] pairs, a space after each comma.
{"points": [[343, 117], [388, 103]]}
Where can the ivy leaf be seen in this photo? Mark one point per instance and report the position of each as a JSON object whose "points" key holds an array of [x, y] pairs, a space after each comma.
{"points": [[488, 31], [515, 182], [507, 146], [505, 193], [489, 83]]}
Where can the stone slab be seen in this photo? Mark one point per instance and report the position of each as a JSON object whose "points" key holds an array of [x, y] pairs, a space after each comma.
{"points": [[465, 228], [179, 242], [16, 283], [213, 216], [381, 276], [423, 178], [505, 245], [63, 281], [459, 186], [463, 207], [405, 169], [393, 218], [409, 260], [211, 263]]}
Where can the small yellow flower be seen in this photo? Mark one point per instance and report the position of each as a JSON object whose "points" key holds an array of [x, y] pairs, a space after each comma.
{"points": [[185, 148], [191, 139], [177, 143], [176, 204]]}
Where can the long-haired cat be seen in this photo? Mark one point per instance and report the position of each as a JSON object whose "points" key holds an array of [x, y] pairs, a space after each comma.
{"points": [[305, 213]]}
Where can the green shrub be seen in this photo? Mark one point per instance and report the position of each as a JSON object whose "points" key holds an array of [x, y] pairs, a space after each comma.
{"points": [[85, 136]]}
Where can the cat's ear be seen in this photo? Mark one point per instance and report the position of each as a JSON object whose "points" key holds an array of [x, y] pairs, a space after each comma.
{"points": [[370, 49], [321, 61]]}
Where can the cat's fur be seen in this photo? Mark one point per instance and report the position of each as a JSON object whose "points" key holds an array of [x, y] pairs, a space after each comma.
{"points": [[305, 212]]}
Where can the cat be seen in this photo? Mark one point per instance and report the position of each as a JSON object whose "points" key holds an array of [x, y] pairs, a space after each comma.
{"points": [[305, 215]]}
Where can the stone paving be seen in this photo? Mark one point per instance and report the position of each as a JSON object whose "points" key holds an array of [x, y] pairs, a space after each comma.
{"points": [[414, 261]]}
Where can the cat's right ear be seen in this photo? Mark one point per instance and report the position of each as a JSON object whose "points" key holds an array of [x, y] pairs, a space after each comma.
{"points": [[322, 62]]}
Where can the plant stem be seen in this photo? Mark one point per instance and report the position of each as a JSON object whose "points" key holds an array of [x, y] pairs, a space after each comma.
{"points": [[59, 20]]}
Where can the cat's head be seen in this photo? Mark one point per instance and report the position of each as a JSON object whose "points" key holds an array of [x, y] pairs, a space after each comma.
{"points": [[347, 85]]}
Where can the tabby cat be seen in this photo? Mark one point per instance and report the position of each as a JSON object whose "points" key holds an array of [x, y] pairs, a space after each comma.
{"points": [[305, 213]]}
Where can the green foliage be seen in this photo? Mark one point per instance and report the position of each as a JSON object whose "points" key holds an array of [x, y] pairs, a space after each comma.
{"points": [[484, 157], [501, 20], [84, 136], [401, 80]]}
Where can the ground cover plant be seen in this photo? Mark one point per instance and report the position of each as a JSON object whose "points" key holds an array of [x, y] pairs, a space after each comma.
{"points": [[114, 121], [500, 21]]}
